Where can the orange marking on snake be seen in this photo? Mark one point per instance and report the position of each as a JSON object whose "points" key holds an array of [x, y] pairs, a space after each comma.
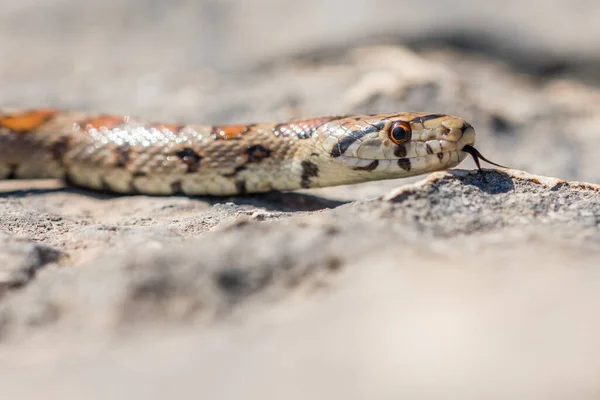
{"points": [[226, 132], [104, 121], [27, 121]]}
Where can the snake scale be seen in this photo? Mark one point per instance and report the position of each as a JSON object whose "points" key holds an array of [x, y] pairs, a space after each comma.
{"points": [[123, 155]]}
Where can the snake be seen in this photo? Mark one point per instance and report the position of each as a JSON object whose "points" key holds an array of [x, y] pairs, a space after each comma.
{"points": [[121, 154]]}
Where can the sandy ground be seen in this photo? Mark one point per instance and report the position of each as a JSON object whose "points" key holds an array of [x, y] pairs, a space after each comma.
{"points": [[457, 285]]}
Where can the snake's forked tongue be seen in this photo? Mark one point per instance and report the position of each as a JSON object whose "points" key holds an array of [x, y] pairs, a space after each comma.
{"points": [[477, 155]]}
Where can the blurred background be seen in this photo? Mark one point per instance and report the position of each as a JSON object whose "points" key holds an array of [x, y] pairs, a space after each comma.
{"points": [[524, 73]]}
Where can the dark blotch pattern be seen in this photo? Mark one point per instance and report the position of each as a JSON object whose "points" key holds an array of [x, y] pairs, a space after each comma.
{"points": [[426, 118], [59, 148], [379, 125], [241, 187], [132, 188], [428, 148], [190, 158], [309, 170], [13, 171], [176, 187], [400, 150], [123, 155], [350, 138], [369, 167], [369, 129], [257, 153], [104, 186], [440, 156], [404, 163]]}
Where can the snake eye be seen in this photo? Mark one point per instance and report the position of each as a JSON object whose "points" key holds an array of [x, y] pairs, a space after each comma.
{"points": [[400, 132]]}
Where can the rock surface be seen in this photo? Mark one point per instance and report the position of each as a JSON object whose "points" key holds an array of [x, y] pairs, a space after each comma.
{"points": [[460, 284]]}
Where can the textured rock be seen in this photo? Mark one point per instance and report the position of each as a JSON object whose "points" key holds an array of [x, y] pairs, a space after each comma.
{"points": [[147, 277], [20, 259], [490, 277]]}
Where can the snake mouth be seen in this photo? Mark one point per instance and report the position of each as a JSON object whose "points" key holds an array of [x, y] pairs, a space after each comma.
{"points": [[477, 155]]}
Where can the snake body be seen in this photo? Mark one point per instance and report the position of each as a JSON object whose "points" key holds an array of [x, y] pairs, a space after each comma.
{"points": [[123, 155]]}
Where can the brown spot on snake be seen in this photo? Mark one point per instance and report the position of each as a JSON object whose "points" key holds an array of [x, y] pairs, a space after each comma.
{"points": [[27, 121], [309, 170], [132, 187], [427, 117], [12, 173], [190, 158], [241, 187], [428, 148], [400, 151], [350, 138], [372, 166], [257, 153], [59, 148], [176, 187], [104, 186], [404, 163], [122, 155]]}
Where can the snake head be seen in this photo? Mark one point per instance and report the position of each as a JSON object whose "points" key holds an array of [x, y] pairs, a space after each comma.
{"points": [[396, 145]]}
